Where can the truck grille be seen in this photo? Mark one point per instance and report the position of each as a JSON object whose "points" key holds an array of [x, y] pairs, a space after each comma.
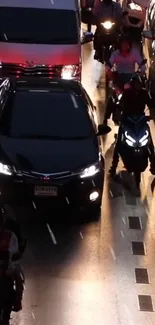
{"points": [[20, 70]]}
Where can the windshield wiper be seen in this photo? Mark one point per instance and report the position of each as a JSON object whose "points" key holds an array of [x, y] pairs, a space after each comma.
{"points": [[51, 137]]}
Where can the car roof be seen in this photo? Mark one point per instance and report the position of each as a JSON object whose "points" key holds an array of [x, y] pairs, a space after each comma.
{"points": [[46, 83]]}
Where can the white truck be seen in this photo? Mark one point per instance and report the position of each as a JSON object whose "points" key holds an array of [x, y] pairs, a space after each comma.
{"points": [[40, 37]]}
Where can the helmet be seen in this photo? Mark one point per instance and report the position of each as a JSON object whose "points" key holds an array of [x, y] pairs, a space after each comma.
{"points": [[124, 39]]}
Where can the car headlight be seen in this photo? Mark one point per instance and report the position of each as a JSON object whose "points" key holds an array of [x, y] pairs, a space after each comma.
{"points": [[90, 171], [107, 24], [144, 140], [5, 169], [69, 71], [129, 140]]}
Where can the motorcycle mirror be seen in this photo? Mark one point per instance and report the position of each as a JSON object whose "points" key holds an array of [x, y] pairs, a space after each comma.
{"points": [[148, 34], [103, 129]]}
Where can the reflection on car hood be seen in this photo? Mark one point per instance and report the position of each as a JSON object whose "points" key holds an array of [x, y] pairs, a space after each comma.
{"points": [[47, 156]]}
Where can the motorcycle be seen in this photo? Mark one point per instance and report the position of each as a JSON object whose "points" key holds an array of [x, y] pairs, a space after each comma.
{"points": [[117, 92], [7, 285], [134, 145], [105, 37], [7, 291]]}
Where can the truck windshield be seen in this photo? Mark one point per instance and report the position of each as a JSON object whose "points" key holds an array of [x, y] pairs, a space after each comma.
{"points": [[38, 26]]}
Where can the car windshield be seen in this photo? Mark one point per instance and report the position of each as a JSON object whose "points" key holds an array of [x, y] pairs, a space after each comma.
{"points": [[43, 114], [38, 26]]}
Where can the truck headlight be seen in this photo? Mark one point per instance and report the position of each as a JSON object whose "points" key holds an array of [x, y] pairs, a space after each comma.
{"points": [[5, 169], [69, 71]]}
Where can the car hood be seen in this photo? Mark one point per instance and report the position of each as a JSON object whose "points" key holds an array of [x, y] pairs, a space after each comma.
{"points": [[40, 54], [48, 156]]}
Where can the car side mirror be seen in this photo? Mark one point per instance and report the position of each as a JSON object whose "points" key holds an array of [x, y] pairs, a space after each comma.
{"points": [[148, 34], [103, 129]]}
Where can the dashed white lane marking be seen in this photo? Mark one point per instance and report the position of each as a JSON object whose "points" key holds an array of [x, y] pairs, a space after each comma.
{"points": [[34, 205], [124, 221], [51, 234], [112, 253], [24, 286], [81, 235], [33, 316], [122, 233], [111, 193]]}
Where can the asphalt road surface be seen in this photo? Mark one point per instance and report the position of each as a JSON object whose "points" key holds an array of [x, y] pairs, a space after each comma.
{"points": [[100, 273]]}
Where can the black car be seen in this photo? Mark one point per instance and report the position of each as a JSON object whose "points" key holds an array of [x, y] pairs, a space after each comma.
{"points": [[49, 147]]}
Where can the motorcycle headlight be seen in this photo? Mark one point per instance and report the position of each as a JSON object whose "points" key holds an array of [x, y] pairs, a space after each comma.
{"points": [[69, 71], [129, 140], [144, 140], [107, 24], [5, 169], [90, 171]]}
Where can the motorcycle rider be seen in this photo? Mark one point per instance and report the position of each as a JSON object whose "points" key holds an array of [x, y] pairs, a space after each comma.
{"points": [[87, 16], [124, 59], [11, 241], [133, 102], [105, 10]]}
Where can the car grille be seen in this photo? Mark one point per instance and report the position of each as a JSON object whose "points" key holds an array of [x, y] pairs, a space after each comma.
{"points": [[48, 176], [20, 70], [134, 20]]}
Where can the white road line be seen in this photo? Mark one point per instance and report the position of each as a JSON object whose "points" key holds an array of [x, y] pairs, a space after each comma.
{"points": [[51, 234], [33, 316], [112, 253], [67, 200], [34, 205], [21, 275], [124, 221], [122, 233], [24, 286], [81, 235]]}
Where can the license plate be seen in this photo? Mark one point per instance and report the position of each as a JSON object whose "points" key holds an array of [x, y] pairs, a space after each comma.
{"points": [[45, 191]]}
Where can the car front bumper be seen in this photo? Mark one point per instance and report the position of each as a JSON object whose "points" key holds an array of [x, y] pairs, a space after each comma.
{"points": [[70, 191]]}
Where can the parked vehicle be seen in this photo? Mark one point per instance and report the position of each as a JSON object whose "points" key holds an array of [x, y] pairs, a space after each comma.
{"points": [[35, 39]]}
